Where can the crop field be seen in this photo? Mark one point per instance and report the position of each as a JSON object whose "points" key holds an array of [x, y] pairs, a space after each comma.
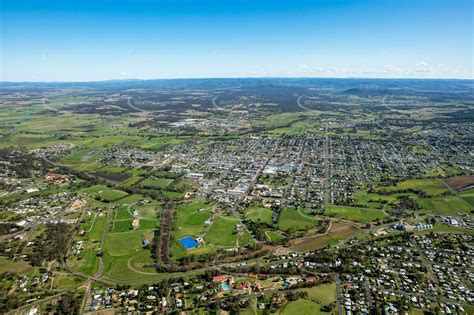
{"points": [[460, 182], [292, 219], [355, 214]]}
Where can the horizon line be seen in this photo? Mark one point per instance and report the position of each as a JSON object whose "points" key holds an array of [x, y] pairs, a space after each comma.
{"points": [[243, 77]]}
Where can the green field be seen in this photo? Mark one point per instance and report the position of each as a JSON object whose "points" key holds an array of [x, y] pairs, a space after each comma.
{"points": [[125, 243], [123, 214], [301, 307], [97, 228], [259, 214], [190, 219], [291, 219], [323, 294], [103, 193], [446, 205], [222, 232], [468, 196], [109, 195], [122, 226], [274, 236], [432, 187], [130, 182], [156, 183], [355, 214]]}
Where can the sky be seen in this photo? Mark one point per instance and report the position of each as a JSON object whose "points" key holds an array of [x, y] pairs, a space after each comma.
{"points": [[102, 40]]}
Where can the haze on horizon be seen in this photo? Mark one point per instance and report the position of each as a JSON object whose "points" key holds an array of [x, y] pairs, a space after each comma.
{"points": [[104, 40]]}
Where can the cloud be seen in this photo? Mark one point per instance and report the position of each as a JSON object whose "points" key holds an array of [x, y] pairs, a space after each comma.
{"points": [[424, 70]]}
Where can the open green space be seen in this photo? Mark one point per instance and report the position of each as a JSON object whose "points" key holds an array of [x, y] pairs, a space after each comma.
{"points": [[222, 232], [156, 183], [191, 218], [122, 226], [259, 214], [355, 214], [292, 219], [323, 294], [468, 196], [445, 205], [274, 236], [432, 187], [302, 307]]}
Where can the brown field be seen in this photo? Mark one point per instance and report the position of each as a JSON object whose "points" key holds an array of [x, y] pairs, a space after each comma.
{"points": [[338, 231], [460, 182]]}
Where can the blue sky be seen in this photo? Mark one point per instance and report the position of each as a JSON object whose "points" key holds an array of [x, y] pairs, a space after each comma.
{"points": [[101, 40]]}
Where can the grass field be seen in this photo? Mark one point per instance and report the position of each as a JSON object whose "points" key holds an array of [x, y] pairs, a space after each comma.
{"points": [[259, 214], [222, 232], [355, 214], [338, 231], [190, 219], [291, 219], [130, 182], [123, 214], [156, 183], [301, 307], [109, 195], [103, 193], [97, 229], [323, 294], [445, 205], [125, 243], [274, 236], [432, 187], [468, 196], [122, 226]]}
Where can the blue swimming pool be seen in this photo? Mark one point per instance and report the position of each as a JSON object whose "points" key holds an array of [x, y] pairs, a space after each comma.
{"points": [[224, 287], [188, 242]]}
